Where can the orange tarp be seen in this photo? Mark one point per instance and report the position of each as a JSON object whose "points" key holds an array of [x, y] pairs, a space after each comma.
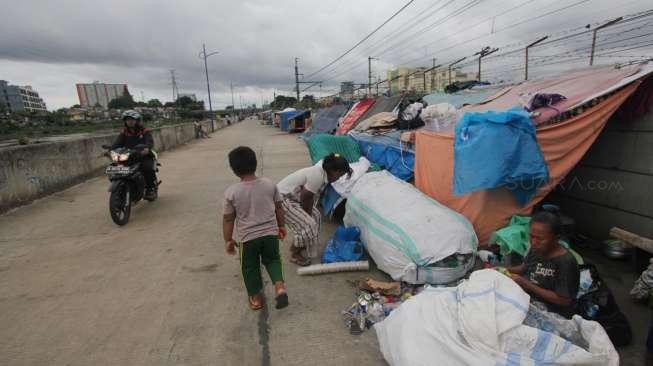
{"points": [[562, 145]]}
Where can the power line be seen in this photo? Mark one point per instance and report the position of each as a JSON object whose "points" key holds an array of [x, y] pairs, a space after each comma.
{"points": [[364, 38]]}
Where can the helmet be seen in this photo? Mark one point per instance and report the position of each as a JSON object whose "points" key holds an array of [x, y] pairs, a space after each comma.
{"points": [[131, 114]]}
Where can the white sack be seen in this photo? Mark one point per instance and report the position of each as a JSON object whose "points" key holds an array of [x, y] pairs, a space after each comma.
{"points": [[479, 322], [406, 231]]}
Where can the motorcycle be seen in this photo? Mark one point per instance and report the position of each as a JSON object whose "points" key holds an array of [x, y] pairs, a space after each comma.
{"points": [[127, 181]]}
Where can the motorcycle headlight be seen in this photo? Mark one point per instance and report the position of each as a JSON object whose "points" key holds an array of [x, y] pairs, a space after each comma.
{"points": [[114, 156], [123, 157]]}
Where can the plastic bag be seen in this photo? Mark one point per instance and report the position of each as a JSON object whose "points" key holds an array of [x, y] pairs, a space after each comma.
{"points": [[345, 246], [642, 288]]}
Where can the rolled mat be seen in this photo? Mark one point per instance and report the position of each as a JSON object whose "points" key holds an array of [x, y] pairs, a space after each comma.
{"points": [[323, 268]]}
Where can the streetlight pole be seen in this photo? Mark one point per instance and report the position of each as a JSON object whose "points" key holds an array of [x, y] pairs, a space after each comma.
{"points": [[204, 55]]}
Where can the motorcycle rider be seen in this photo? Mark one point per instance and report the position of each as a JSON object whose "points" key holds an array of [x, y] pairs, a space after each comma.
{"points": [[136, 134]]}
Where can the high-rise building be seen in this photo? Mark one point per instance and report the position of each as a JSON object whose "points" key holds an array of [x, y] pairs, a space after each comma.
{"points": [[99, 94], [20, 98]]}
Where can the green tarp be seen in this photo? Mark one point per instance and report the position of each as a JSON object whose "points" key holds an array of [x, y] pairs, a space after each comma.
{"points": [[323, 144], [514, 238]]}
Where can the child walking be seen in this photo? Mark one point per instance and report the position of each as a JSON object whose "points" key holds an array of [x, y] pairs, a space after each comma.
{"points": [[254, 206]]}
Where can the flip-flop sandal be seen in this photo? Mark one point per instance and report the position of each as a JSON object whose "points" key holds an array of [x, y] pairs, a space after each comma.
{"points": [[254, 306], [303, 262], [282, 300]]}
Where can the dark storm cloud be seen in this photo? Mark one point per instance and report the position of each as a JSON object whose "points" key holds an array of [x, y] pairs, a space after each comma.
{"points": [[54, 44]]}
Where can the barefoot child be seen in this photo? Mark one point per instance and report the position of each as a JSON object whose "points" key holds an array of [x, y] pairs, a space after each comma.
{"points": [[254, 206]]}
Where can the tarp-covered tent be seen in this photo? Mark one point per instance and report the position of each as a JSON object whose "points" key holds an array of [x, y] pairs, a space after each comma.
{"points": [[294, 120], [325, 120], [381, 104], [276, 116], [563, 144], [387, 151], [354, 115]]}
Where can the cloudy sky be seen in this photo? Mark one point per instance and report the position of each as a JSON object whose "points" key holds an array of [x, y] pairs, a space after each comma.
{"points": [[52, 45]]}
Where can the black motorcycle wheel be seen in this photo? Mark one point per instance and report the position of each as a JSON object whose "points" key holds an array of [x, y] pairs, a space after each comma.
{"points": [[120, 205]]}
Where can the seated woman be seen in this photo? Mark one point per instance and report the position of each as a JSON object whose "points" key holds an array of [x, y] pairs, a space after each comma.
{"points": [[300, 192], [550, 272]]}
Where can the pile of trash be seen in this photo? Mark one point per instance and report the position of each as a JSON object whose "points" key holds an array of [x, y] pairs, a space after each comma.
{"points": [[375, 300]]}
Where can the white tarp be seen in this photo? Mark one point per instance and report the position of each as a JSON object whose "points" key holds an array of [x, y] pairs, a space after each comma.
{"points": [[344, 185], [406, 232], [479, 322]]}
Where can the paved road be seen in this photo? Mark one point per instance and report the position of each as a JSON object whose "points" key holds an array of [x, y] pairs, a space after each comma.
{"points": [[77, 290]]}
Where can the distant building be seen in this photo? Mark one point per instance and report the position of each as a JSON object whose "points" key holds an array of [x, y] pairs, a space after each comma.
{"points": [[416, 79], [347, 90], [193, 97], [20, 98], [94, 94]]}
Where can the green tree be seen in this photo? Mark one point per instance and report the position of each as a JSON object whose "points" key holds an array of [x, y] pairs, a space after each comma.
{"points": [[308, 101], [154, 103], [125, 101], [189, 104], [281, 102]]}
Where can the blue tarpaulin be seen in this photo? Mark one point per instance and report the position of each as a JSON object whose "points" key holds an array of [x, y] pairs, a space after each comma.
{"points": [[388, 152], [498, 149], [287, 116]]}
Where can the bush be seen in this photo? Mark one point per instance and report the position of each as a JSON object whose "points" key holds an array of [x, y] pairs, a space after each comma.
{"points": [[23, 141]]}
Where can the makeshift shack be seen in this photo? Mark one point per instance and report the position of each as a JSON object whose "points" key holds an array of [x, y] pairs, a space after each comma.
{"points": [[276, 116], [564, 134], [293, 121]]}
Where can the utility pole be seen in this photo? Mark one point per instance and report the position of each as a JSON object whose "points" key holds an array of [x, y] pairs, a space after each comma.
{"points": [[377, 84], [174, 86], [142, 97], [204, 55], [527, 47], [369, 74], [433, 75], [594, 36], [297, 82], [453, 63], [233, 106], [297, 78], [482, 53]]}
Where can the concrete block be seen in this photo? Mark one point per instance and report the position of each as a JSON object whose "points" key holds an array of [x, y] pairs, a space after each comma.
{"points": [[617, 189], [596, 220]]}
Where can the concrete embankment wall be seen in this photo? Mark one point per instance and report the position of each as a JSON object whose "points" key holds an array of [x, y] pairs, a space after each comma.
{"points": [[33, 171], [613, 184]]}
